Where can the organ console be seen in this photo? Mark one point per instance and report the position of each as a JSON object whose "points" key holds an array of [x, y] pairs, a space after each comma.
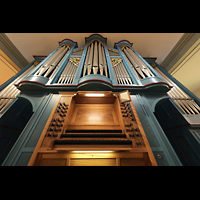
{"points": [[106, 125]]}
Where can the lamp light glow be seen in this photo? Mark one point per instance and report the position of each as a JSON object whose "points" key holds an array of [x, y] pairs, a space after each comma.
{"points": [[94, 95], [92, 151]]}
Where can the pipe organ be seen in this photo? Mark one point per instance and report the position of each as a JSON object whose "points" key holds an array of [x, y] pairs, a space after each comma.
{"points": [[97, 105]]}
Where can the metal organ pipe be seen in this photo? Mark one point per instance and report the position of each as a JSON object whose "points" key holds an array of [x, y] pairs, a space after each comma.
{"points": [[100, 59], [89, 67], [123, 73], [9, 93], [140, 67], [119, 75], [134, 69], [73, 73], [86, 61], [95, 62], [140, 62], [178, 91], [49, 66], [126, 74], [67, 72], [68, 75], [95, 59], [54, 56], [120, 72], [45, 65], [57, 59], [134, 64], [194, 106], [142, 70], [60, 80], [182, 100], [116, 74], [104, 62], [56, 62], [131, 57]]}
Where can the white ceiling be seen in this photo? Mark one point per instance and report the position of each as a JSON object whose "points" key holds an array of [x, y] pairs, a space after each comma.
{"points": [[146, 44]]}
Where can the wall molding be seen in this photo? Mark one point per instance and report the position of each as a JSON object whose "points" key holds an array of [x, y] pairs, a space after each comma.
{"points": [[12, 52], [182, 46]]}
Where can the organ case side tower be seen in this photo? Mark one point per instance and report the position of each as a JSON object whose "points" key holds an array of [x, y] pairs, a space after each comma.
{"points": [[100, 105]]}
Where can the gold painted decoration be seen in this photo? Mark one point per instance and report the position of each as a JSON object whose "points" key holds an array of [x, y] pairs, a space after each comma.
{"points": [[113, 50], [153, 65], [123, 46], [116, 61], [36, 63], [76, 50], [75, 60], [66, 44]]}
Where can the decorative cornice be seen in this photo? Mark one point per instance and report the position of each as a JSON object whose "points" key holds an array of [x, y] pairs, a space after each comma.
{"points": [[121, 42], [78, 49], [68, 41], [95, 36], [185, 42], [12, 52], [36, 84]]}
